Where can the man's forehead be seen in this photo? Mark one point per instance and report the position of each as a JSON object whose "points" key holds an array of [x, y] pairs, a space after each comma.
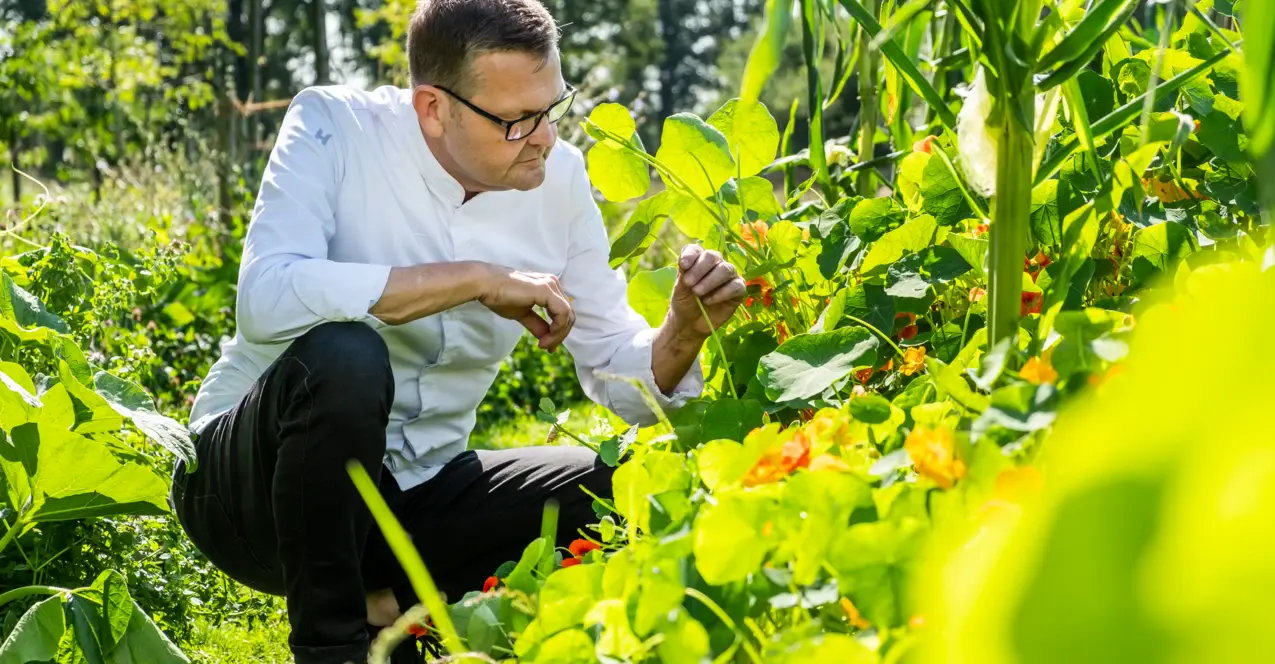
{"points": [[517, 81]]}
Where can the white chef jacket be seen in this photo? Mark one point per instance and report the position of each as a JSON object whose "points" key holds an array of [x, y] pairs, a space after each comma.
{"points": [[351, 190]]}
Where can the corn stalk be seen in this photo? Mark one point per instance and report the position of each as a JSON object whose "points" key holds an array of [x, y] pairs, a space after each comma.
{"points": [[869, 67]]}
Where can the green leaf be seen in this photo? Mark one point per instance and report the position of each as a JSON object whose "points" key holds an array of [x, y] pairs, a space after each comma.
{"points": [[764, 57], [754, 194], [825, 647], [642, 227], [784, 239], [697, 152], [37, 634], [1222, 132], [1045, 223], [661, 592], [87, 627], [729, 544], [751, 134], [572, 646], [951, 383], [869, 303], [523, 577], [870, 409], [913, 236], [26, 315], [873, 217], [685, 641], [1258, 78], [941, 194], [567, 596], [872, 562], [17, 396], [92, 412], [630, 485], [731, 419], [836, 249], [1084, 41], [808, 364], [692, 218], [614, 119], [77, 478], [1158, 248], [717, 462], [649, 293], [130, 400], [618, 173], [912, 276], [144, 643]]}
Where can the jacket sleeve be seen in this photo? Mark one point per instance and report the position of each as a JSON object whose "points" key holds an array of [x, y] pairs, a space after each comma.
{"points": [[609, 336], [287, 284]]}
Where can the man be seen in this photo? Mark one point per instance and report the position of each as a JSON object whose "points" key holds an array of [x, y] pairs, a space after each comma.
{"points": [[401, 243]]}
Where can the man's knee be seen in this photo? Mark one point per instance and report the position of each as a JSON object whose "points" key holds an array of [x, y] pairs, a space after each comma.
{"points": [[351, 357]]}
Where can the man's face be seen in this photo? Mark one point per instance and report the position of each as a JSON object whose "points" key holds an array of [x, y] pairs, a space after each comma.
{"points": [[508, 85]]}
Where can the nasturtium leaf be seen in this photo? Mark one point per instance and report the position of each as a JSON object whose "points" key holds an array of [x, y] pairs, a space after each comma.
{"points": [[731, 419], [685, 641], [717, 462], [567, 596], [825, 647], [1098, 94], [641, 227], [784, 239], [618, 173], [913, 236], [870, 408], [992, 366], [609, 451], [523, 576], [572, 646], [691, 216], [808, 364], [869, 303], [617, 639], [873, 217], [614, 119], [835, 249], [911, 276], [1222, 130], [755, 194], [130, 400], [831, 314], [1158, 248], [36, 636], [872, 562], [1046, 225], [952, 384], [697, 152], [745, 347], [1015, 411], [484, 631], [729, 542], [661, 592], [649, 293], [630, 485], [941, 194], [973, 250], [751, 134]]}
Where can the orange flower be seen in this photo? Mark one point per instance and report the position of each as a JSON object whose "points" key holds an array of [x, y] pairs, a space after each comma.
{"points": [[768, 529], [981, 230], [864, 375], [767, 297], [852, 614], [490, 584], [754, 233], [782, 331], [775, 465], [1031, 303], [580, 547], [933, 453], [913, 360], [829, 462], [1168, 191], [1034, 266], [571, 562], [925, 145], [977, 294], [917, 621], [1098, 379], [417, 630], [909, 330], [1039, 370]]}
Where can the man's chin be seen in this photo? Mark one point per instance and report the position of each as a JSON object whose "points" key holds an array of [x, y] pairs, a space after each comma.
{"points": [[527, 178]]}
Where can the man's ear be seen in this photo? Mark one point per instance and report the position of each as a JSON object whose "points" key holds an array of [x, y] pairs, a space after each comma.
{"points": [[430, 107]]}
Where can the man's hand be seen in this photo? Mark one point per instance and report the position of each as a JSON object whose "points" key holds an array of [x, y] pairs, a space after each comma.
{"points": [[714, 281], [513, 294]]}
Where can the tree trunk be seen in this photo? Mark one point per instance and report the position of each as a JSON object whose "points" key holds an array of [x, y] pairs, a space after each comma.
{"points": [[255, 28], [671, 34], [321, 76]]}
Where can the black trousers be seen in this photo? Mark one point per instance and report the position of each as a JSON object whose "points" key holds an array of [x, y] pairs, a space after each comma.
{"points": [[272, 506]]}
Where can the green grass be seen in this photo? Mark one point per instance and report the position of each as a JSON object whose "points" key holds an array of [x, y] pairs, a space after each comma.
{"points": [[233, 642]]}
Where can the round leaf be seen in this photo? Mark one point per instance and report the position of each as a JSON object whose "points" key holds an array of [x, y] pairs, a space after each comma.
{"points": [[697, 152], [751, 133], [808, 364], [617, 173]]}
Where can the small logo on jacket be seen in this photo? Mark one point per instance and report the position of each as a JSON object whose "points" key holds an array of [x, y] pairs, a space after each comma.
{"points": [[323, 138]]}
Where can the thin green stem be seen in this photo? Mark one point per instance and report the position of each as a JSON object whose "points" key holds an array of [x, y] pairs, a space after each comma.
{"points": [[726, 620], [1204, 18], [1166, 32], [873, 328], [27, 591], [712, 333], [10, 533], [960, 182]]}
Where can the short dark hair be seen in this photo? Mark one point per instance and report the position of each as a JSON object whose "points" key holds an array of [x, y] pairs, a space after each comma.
{"points": [[445, 36]]}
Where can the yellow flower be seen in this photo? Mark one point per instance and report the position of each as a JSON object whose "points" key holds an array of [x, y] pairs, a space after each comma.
{"points": [[913, 360], [828, 462], [933, 453], [1040, 370]]}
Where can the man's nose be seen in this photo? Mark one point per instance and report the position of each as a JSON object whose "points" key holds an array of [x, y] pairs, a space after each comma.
{"points": [[544, 135]]}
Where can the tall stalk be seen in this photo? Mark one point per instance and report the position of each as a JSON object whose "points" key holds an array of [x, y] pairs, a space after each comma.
{"points": [[1010, 214], [868, 67]]}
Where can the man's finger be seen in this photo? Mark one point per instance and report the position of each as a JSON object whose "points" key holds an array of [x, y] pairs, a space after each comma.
{"points": [[704, 263], [537, 326], [721, 274], [563, 317], [731, 290], [690, 253]]}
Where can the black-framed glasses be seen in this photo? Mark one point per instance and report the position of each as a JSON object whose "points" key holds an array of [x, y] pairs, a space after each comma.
{"points": [[523, 127]]}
